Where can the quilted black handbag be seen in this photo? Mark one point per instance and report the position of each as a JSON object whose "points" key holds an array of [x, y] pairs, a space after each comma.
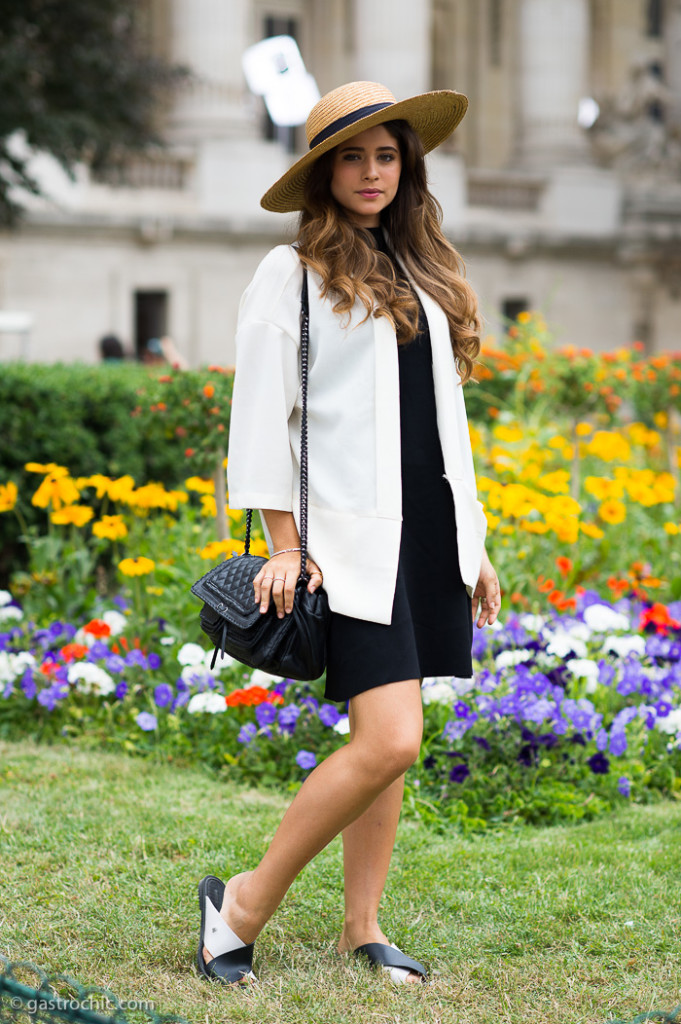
{"points": [[294, 646]]}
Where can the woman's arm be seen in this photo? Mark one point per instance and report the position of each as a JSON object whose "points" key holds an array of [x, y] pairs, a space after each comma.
{"points": [[277, 579]]}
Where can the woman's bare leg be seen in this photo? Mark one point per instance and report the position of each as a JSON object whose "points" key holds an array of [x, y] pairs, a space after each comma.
{"points": [[385, 741]]}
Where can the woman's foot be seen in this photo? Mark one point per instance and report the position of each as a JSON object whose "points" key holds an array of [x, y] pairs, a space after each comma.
{"points": [[234, 915], [353, 939]]}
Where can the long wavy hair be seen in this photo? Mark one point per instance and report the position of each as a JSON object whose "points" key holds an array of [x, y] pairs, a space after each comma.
{"points": [[351, 268]]}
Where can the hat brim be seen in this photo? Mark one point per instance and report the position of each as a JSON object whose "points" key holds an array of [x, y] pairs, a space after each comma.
{"points": [[432, 115]]}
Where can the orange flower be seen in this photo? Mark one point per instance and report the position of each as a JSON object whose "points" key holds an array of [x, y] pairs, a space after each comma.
{"points": [[71, 652], [546, 585], [658, 615], [564, 565], [209, 390]]}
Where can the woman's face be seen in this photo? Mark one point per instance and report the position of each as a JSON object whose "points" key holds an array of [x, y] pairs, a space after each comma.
{"points": [[366, 175]]}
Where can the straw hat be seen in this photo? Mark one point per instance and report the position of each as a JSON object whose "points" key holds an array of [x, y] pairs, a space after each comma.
{"points": [[352, 109]]}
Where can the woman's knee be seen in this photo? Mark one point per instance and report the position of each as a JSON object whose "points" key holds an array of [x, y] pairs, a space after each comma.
{"points": [[390, 756]]}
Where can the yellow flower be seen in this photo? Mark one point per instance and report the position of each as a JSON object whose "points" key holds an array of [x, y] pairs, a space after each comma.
{"points": [[259, 547], [57, 488], [602, 487], [110, 528], [640, 435], [221, 547], [583, 429], [557, 482], [492, 520], [121, 488], [38, 467], [609, 446], [524, 317], [508, 434], [101, 483], [535, 526], [200, 485], [139, 566], [660, 420], [208, 505], [591, 530], [155, 590], [8, 496], [77, 515], [612, 511], [672, 529]]}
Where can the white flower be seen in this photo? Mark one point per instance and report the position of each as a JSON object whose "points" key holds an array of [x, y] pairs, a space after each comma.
{"points": [[435, 690], [167, 641], [532, 623], [14, 665], [462, 686], [5, 597], [623, 645], [564, 643], [584, 668], [195, 674], [90, 678], [505, 659], [264, 679], [601, 618], [210, 701], [191, 654], [222, 661], [10, 613], [115, 621], [671, 723], [342, 726]]}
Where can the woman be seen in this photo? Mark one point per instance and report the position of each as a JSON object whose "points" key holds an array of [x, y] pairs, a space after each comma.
{"points": [[395, 531]]}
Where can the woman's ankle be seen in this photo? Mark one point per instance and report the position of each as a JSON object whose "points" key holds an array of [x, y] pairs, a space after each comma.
{"points": [[236, 911]]}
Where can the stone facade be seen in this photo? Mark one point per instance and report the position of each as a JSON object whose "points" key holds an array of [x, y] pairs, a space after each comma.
{"points": [[581, 222]]}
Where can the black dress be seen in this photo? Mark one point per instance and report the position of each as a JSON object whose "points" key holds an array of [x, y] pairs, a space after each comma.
{"points": [[431, 630]]}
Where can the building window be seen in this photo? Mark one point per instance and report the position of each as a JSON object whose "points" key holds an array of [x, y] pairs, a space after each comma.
{"points": [[495, 30], [274, 25], [511, 308], [654, 18], [151, 324]]}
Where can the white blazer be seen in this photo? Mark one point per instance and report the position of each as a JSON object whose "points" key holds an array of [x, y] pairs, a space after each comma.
{"points": [[354, 452]]}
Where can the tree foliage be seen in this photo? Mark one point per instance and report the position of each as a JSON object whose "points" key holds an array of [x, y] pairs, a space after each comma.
{"points": [[76, 81]]}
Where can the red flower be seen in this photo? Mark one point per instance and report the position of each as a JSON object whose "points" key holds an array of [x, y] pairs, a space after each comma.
{"points": [[97, 627], [72, 652], [189, 452], [658, 615], [564, 565]]}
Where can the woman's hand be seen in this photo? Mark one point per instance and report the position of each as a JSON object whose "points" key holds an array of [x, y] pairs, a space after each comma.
{"points": [[487, 594], [277, 581]]}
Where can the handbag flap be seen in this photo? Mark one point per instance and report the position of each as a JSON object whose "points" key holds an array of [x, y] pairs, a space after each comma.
{"points": [[228, 589]]}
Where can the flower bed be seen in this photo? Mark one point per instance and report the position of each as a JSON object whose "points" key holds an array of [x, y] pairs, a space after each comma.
{"points": [[567, 714]]}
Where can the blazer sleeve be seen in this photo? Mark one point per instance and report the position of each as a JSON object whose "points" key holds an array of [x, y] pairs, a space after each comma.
{"points": [[266, 385]]}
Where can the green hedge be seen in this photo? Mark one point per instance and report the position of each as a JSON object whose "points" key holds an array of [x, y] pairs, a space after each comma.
{"points": [[91, 419]]}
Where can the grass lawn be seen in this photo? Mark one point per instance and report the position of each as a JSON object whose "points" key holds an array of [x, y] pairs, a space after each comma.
{"points": [[100, 856]]}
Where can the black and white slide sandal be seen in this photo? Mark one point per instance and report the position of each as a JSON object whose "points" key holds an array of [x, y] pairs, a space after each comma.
{"points": [[393, 960], [232, 961]]}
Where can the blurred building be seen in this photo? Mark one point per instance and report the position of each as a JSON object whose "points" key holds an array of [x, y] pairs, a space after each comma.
{"points": [[561, 188]]}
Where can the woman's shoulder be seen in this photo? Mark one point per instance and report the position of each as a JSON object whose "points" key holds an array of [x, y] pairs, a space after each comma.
{"points": [[274, 292]]}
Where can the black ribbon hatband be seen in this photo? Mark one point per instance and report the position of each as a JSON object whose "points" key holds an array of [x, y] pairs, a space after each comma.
{"points": [[347, 119]]}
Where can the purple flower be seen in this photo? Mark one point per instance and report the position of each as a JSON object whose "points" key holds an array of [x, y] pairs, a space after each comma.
{"points": [[121, 690], [306, 760], [51, 694], [98, 650], [599, 764], [163, 695], [28, 684], [606, 672], [182, 698], [663, 708], [429, 762], [461, 709], [135, 657], [482, 742], [454, 731], [624, 785], [247, 733], [329, 715], [114, 663], [154, 661], [265, 714], [121, 603], [618, 742], [287, 718], [602, 740], [459, 773], [310, 702], [146, 721]]}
